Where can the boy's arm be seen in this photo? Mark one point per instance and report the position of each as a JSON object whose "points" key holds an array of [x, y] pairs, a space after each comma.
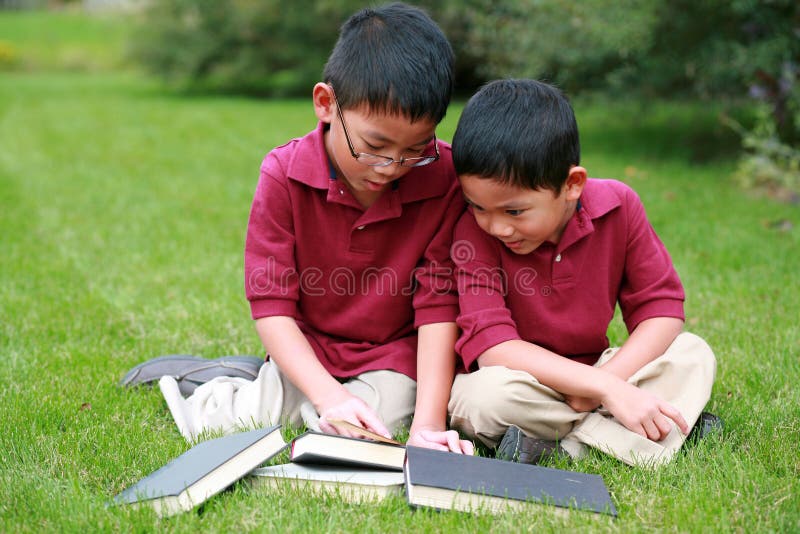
{"points": [[638, 410], [649, 340], [288, 347], [272, 287], [435, 370], [436, 308]]}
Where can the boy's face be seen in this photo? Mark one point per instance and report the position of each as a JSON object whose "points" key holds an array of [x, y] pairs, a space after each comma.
{"points": [[521, 218], [394, 136]]}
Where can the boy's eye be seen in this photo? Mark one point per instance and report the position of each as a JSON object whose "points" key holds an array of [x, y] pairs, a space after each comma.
{"points": [[514, 213], [371, 146]]}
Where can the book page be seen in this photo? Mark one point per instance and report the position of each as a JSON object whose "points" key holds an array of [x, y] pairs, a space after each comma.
{"points": [[341, 424]]}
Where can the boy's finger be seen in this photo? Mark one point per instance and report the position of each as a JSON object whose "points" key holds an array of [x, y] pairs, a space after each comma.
{"points": [[326, 427], [664, 426], [673, 413], [467, 447], [651, 430], [372, 422], [433, 445], [453, 441]]}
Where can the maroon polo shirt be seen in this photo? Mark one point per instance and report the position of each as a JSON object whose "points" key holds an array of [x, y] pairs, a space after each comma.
{"points": [[562, 296], [358, 281]]}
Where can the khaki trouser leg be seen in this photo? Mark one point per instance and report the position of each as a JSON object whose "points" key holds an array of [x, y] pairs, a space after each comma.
{"points": [[485, 403], [682, 376], [228, 403], [391, 394]]}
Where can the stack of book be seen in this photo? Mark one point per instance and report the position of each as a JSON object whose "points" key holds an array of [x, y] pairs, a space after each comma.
{"points": [[361, 470]]}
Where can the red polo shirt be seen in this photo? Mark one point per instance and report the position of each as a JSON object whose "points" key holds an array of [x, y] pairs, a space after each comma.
{"points": [[358, 281], [562, 296]]}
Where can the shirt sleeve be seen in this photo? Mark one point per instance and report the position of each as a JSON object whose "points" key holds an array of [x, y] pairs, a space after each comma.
{"points": [[435, 296], [270, 274], [484, 318], [650, 286]]}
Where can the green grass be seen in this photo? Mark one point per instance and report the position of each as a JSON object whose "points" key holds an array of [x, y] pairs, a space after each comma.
{"points": [[62, 40], [122, 219]]}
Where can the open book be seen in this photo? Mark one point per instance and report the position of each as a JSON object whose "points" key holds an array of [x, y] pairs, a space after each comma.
{"points": [[446, 480], [329, 449], [351, 484], [203, 471]]}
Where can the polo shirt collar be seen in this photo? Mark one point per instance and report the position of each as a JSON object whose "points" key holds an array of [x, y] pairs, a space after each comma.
{"points": [[310, 165], [595, 202]]}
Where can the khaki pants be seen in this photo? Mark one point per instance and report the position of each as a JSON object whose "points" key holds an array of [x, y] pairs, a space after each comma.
{"points": [[390, 394], [227, 404], [485, 403]]}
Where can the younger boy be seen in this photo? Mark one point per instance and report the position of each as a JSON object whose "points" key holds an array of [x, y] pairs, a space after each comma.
{"points": [[347, 252], [543, 256]]}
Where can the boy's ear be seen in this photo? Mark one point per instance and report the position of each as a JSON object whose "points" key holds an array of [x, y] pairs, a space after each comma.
{"points": [[324, 104], [576, 180]]}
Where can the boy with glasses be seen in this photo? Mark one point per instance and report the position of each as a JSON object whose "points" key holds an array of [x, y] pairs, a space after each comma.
{"points": [[543, 257], [347, 266]]}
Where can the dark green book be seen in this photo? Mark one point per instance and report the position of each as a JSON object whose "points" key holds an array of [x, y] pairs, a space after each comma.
{"points": [[203, 471], [450, 481]]}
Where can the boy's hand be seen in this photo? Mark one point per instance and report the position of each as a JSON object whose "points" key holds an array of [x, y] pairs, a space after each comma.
{"points": [[582, 404], [441, 441], [355, 411], [642, 412]]}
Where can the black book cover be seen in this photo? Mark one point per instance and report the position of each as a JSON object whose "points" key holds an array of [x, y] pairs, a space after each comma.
{"points": [[458, 473]]}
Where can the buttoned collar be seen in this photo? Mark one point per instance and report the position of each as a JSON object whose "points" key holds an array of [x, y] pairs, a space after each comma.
{"points": [[310, 165], [595, 202]]}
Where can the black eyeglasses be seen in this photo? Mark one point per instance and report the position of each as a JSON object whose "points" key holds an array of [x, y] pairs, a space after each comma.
{"points": [[374, 160]]}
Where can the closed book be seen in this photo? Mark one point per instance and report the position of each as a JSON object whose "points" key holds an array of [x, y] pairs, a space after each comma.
{"points": [[330, 449], [447, 480], [203, 471], [349, 484]]}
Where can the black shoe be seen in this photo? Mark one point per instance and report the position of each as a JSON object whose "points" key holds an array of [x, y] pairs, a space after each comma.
{"points": [[191, 371], [706, 424], [517, 447]]}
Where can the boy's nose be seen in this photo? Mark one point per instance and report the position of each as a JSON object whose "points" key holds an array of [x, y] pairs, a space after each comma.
{"points": [[500, 229], [389, 172]]}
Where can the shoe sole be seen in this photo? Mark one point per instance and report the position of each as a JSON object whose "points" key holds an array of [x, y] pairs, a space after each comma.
{"points": [[510, 445], [191, 371], [707, 424]]}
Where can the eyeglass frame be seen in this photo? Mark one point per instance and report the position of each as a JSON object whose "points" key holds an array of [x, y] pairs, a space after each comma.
{"points": [[385, 160]]}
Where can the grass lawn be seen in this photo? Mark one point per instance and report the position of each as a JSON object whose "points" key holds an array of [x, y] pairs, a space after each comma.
{"points": [[122, 219]]}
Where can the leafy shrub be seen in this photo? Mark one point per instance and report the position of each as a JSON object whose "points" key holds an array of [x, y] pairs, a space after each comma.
{"points": [[265, 47], [768, 165]]}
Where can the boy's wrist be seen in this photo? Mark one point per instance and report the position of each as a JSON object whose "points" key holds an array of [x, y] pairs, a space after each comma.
{"points": [[326, 397], [427, 425], [607, 385]]}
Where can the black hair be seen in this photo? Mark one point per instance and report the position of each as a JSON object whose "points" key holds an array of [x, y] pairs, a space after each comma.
{"points": [[395, 59], [518, 132]]}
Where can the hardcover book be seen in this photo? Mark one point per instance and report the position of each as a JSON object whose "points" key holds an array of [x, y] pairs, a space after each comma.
{"points": [[203, 471], [446, 480], [351, 484], [329, 449]]}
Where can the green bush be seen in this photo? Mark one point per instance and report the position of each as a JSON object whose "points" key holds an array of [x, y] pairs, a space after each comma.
{"points": [[768, 165], [265, 47]]}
